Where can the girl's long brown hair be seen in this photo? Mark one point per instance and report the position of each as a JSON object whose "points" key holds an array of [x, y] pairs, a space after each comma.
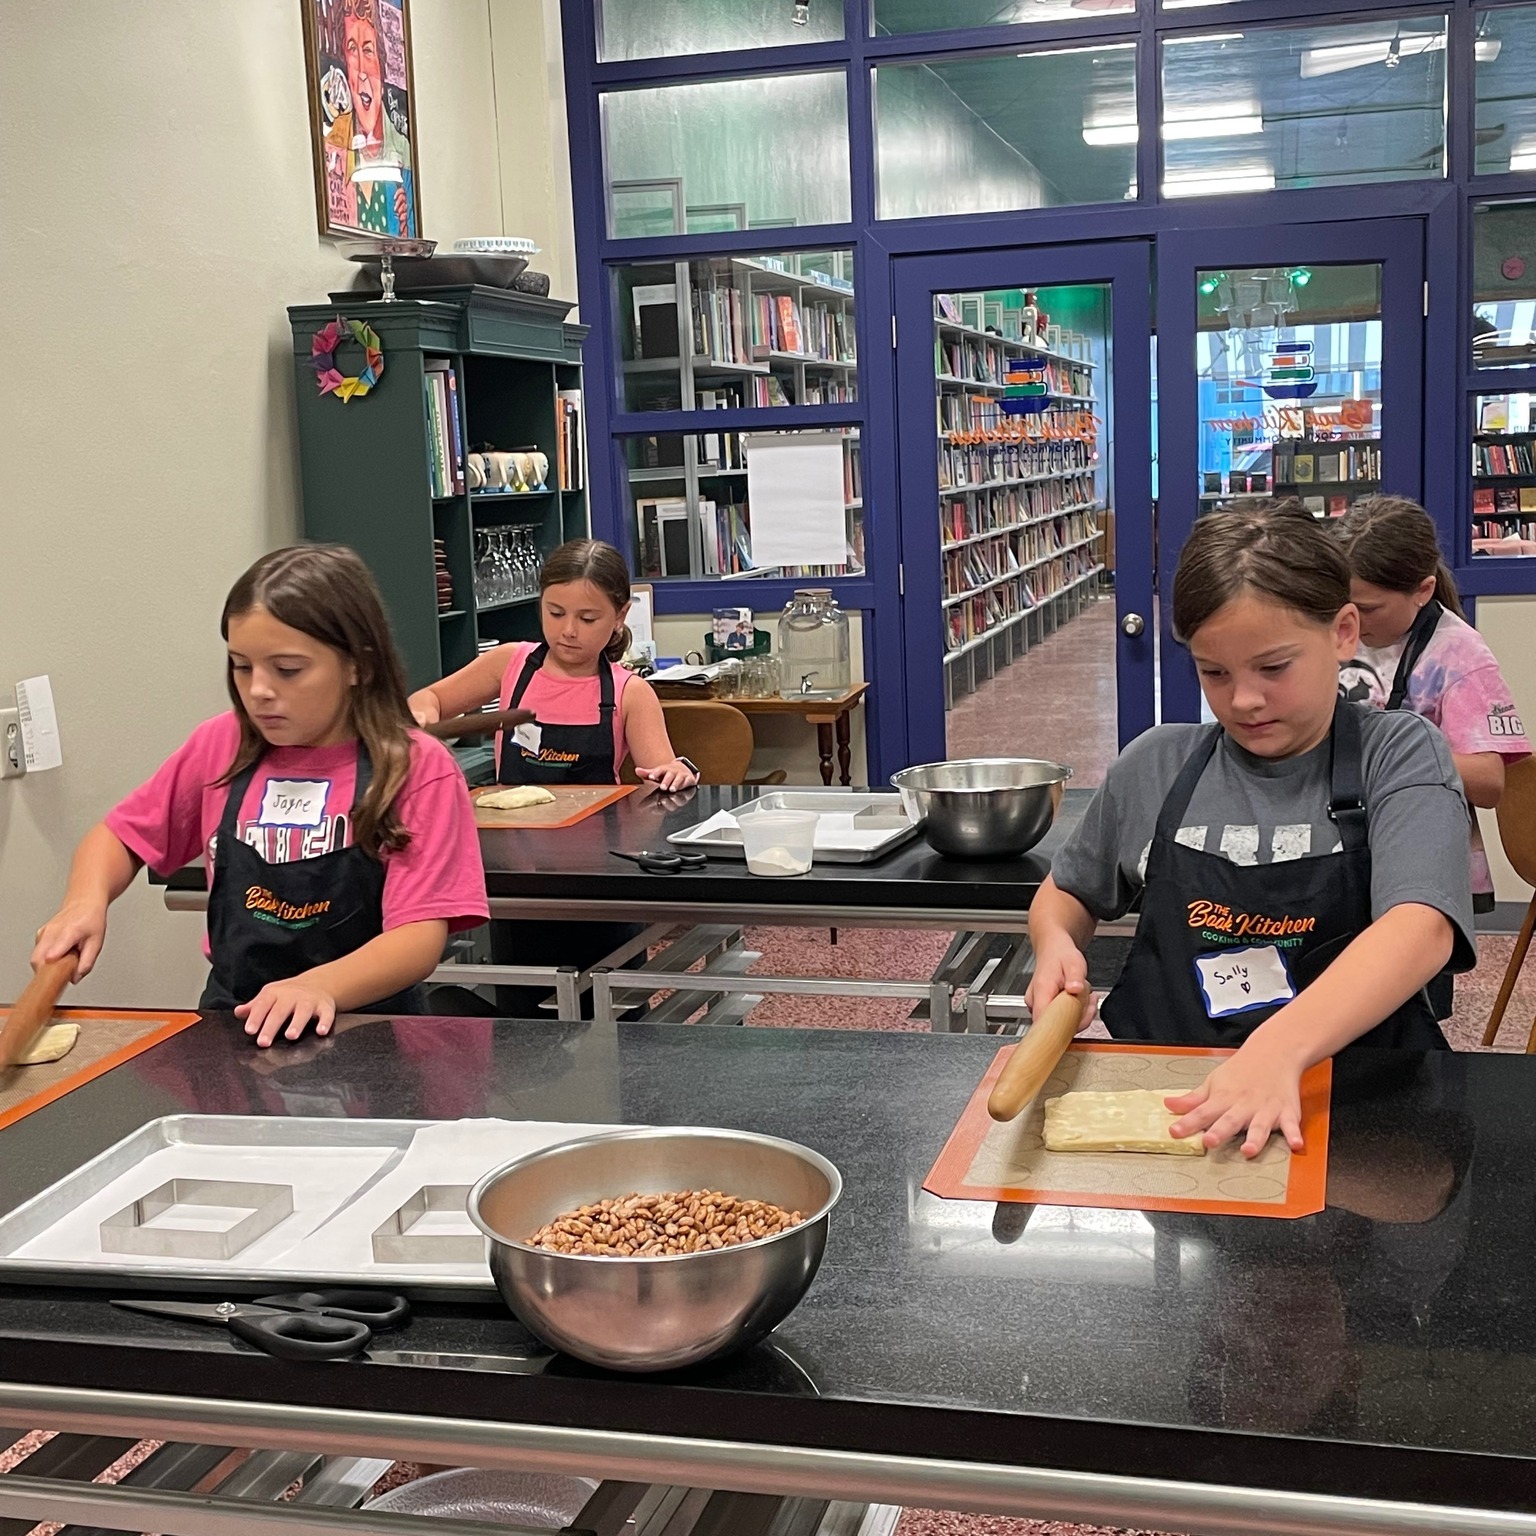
{"points": [[602, 565], [326, 592], [1275, 549], [1391, 542]]}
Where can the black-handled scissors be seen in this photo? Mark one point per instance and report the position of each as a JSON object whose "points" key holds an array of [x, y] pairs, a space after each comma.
{"points": [[301, 1325], [664, 863]]}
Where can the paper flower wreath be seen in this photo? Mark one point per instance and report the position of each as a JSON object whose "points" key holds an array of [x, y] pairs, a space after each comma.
{"points": [[322, 358]]}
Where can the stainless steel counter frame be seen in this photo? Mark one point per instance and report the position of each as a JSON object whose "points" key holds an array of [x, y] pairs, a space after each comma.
{"points": [[636, 1460]]}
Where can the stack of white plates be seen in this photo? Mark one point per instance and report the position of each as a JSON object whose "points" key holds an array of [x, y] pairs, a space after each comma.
{"points": [[495, 245]]}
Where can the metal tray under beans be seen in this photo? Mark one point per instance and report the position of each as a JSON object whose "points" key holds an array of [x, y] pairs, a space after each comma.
{"points": [[874, 810], [33, 1218]]}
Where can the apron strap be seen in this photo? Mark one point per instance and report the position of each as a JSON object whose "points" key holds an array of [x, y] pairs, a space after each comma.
{"points": [[1171, 816], [536, 658], [1418, 642], [1346, 794]]}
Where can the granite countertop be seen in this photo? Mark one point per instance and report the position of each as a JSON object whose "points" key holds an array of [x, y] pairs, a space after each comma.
{"points": [[1382, 1348]]}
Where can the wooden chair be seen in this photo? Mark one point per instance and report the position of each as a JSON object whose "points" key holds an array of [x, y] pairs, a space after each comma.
{"points": [[713, 735], [1517, 831]]}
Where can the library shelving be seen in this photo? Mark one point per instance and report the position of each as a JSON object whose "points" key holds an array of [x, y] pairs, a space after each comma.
{"points": [[762, 331], [386, 472], [1328, 474], [1504, 485], [1022, 522]]}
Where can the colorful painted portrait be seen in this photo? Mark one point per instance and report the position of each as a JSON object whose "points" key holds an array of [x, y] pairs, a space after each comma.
{"points": [[358, 54]]}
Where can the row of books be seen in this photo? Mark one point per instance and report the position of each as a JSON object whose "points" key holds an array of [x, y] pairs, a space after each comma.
{"points": [[984, 464], [1304, 463], [975, 565], [1504, 458], [989, 610], [970, 358], [781, 323], [725, 539], [984, 512], [568, 440], [445, 434], [1504, 527], [1505, 501]]}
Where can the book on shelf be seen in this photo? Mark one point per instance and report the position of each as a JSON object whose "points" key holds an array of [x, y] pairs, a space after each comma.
{"points": [[1482, 501], [1528, 498], [1506, 501], [655, 307], [1327, 467], [1338, 506], [569, 440], [1504, 458], [1303, 468], [440, 390]]}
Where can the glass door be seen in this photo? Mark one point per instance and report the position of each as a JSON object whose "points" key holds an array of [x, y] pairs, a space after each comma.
{"points": [[1292, 366], [1024, 442]]}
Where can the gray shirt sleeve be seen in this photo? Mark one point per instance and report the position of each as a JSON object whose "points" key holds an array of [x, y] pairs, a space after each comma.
{"points": [[1419, 825]]}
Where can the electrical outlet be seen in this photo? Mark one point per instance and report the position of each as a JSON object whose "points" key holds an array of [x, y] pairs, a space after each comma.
{"points": [[13, 762]]}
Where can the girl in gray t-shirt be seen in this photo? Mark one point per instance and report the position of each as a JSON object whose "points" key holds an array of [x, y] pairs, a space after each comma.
{"points": [[1301, 864]]}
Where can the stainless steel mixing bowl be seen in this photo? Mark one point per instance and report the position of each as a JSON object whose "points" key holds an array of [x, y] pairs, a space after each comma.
{"points": [[655, 1314], [983, 807]]}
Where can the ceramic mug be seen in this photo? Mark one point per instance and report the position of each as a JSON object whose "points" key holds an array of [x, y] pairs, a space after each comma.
{"points": [[521, 474], [539, 466]]}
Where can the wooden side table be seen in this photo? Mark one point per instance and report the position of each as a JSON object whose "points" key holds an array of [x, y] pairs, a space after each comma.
{"points": [[830, 717]]}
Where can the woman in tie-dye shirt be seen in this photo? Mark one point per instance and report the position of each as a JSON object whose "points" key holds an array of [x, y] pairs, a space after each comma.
{"points": [[1418, 652]]}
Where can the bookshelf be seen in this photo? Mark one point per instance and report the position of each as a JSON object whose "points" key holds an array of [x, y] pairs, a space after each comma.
{"points": [[1328, 475], [761, 331], [1504, 485], [1021, 524], [385, 473]]}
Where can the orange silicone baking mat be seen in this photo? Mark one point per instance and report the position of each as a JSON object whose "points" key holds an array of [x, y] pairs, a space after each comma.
{"points": [[573, 803], [984, 1160], [108, 1037]]}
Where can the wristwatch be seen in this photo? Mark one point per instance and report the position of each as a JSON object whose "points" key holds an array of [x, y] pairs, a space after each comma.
{"points": [[691, 766]]}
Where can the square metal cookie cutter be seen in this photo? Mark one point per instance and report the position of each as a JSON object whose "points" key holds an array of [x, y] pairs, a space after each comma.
{"points": [[129, 1230], [395, 1243]]}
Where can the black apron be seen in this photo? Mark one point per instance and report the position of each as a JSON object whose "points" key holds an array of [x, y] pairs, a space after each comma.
{"points": [[1442, 988], [267, 922], [1220, 947], [568, 754]]}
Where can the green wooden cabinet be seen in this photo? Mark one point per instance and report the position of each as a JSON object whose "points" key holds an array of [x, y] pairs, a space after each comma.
{"points": [[366, 464]]}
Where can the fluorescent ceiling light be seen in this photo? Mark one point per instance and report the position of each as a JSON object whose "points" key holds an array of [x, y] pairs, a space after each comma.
{"points": [[1051, 53], [1239, 121], [1522, 154], [1204, 37], [1190, 5], [1230, 125], [1335, 58], [1486, 49], [1202, 185]]}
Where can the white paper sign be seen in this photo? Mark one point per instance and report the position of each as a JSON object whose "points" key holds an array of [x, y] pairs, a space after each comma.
{"points": [[293, 802], [1235, 980], [528, 736], [795, 490], [40, 743]]}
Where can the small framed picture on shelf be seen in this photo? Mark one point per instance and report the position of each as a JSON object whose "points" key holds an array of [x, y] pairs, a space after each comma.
{"points": [[362, 97]]}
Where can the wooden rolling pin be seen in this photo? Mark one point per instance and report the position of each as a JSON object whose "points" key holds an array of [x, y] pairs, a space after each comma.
{"points": [[33, 1009], [478, 724], [1034, 1058]]}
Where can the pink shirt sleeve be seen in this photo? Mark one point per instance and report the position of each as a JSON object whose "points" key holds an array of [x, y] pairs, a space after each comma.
{"points": [[439, 874], [161, 822], [1478, 715]]}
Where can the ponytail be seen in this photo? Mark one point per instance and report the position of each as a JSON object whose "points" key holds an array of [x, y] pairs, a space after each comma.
{"points": [[1445, 589], [618, 648]]}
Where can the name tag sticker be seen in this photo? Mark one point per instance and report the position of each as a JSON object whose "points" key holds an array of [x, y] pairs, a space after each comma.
{"points": [[1235, 980], [294, 802], [528, 736]]}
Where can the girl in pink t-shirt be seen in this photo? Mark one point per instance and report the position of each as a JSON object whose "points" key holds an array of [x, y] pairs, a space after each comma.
{"points": [[340, 843], [1418, 652], [589, 713]]}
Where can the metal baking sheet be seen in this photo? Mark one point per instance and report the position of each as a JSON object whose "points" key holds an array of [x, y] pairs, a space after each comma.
{"points": [[871, 810], [34, 1218]]}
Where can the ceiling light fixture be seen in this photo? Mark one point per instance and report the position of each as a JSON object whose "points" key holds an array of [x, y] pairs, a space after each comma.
{"points": [[1336, 58], [1109, 133], [1522, 153], [1228, 126], [1053, 53], [1214, 185], [1204, 37]]}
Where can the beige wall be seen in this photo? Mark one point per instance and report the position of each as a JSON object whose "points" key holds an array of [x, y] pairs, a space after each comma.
{"points": [[1509, 626], [158, 218]]}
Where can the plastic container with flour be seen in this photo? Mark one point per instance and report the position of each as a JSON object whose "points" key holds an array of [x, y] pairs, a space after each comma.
{"points": [[779, 842]]}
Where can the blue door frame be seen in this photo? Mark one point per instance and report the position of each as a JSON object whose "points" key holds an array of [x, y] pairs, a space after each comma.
{"points": [[1125, 266], [1398, 245]]}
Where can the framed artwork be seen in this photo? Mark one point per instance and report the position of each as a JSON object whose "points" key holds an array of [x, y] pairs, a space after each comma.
{"points": [[357, 56]]}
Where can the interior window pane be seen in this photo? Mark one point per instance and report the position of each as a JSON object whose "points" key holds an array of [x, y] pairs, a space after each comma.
{"points": [[1504, 475], [1006, 131], [1506, 90], [727, 154], [764, 330], [896, 17], [1504, 285], [1248, 111], [655, 29]]}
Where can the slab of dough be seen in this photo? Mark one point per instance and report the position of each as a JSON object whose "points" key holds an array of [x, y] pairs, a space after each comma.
{"points": [[55, 1042], [518, 798], [1133, 1121]]}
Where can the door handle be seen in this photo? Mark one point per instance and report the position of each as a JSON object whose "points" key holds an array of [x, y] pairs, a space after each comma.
{"points": [[1133, 624]]}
